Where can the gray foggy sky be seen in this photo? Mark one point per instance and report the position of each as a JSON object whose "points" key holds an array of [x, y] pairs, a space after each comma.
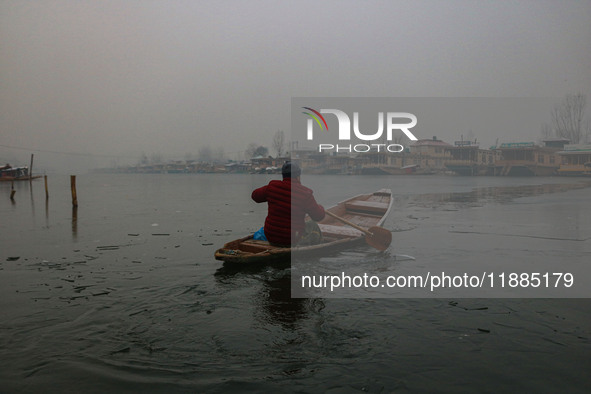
{"points": [[124, 77]]}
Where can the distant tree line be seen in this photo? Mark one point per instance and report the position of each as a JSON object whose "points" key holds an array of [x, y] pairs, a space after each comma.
{"points": [[568, 120], [255, 150], [208, 155]]}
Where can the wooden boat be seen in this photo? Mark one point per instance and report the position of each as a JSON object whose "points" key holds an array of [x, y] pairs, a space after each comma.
{"points": [[365, 210]]}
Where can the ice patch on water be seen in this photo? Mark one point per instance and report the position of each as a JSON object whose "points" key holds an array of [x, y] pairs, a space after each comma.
{"points": [[403, 257]]}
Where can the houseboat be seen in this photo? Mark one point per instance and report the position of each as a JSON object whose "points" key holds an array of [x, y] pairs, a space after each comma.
{"points": [[576, 160], [529, 159], [384, 163], [467, 158], [423, 157], [429, 156]]}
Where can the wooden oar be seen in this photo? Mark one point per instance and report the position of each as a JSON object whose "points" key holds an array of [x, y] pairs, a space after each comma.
{"points": [[375, 236]]}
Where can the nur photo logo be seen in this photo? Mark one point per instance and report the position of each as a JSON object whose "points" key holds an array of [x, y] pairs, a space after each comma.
{"points": [[389, 124]]}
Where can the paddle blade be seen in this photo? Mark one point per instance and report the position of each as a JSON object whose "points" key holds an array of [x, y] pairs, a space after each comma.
{"points": [[380, 238]]}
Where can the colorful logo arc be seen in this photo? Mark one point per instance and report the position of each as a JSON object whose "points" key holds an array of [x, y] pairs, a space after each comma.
{"points": [[315, 116]]}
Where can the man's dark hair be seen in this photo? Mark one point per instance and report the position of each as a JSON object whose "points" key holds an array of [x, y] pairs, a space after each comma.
{"points": [[290, 170]]}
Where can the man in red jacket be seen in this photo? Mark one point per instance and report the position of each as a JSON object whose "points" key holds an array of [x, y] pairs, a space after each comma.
{"points": [[289, 202]]}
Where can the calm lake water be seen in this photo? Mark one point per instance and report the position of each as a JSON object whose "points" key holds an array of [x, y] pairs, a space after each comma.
{"points": [[124, 295]]}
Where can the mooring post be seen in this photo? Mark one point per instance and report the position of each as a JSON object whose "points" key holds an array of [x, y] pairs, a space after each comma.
{"points": [[12, 191], [73, 187], [46, 190]]}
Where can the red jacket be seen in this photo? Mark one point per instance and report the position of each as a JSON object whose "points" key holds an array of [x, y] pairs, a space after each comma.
{"points": [[289, 202]]}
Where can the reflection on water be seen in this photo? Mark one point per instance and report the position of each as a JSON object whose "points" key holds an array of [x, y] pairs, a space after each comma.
{"points": [[497, 194], [32, 197], [277, 304], [74, 223], [120, 307], [274, 301]]}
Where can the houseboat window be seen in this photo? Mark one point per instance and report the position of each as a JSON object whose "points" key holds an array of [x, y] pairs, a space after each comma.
{"points": [[552, 159], [540, 158]]}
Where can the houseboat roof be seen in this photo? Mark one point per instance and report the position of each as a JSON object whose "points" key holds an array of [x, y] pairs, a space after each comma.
{"points": [[428, 142], [576, 149], [463, 147], [516, 145], [9, 168], [464, 144], [566, 141]]}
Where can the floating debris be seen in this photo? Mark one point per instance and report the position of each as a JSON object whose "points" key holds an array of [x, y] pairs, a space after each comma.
{"points": [[15, 258], [79, 289], [207, 244], [484, 330], [133, 235], [403, 257], [108, 247], [73, 298], [161, 234], [456, 304]]}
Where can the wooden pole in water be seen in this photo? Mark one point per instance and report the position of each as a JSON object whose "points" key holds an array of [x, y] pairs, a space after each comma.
{"points": [[12, 191], [73, 187], [46, 190]]}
